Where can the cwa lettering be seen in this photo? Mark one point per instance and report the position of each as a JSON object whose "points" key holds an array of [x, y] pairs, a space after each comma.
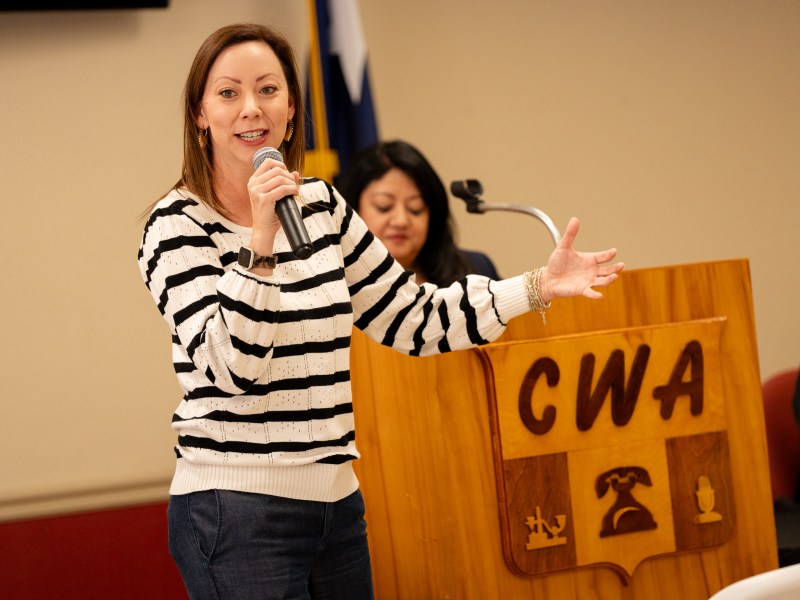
{"points": [[624, 395]]}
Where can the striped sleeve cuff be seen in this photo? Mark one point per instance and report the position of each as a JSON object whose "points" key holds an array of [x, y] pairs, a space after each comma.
{"points": [[511, 299]]}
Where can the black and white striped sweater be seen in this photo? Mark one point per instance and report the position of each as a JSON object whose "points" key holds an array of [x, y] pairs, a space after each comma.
{"points": [[264, 362]]}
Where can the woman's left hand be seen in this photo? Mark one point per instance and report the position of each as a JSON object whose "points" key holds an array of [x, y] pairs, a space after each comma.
{"points": [[572, 273]]}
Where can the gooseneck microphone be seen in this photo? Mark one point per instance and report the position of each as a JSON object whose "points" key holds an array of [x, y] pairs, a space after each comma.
{"points": [[470, 190], [287, 212]]}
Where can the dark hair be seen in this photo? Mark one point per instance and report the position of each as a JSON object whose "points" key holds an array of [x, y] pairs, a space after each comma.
{"points": [[197, 166], [439, 259]]}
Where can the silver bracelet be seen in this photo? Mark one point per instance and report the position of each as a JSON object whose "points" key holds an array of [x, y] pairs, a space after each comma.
{"points": [[533, 281]]}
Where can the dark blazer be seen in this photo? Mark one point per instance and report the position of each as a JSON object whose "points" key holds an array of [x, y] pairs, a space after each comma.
{"points": [[480, 263]]}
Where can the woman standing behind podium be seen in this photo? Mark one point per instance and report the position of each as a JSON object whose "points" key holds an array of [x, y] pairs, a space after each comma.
{"points": [[264, 502], [403, 201]]}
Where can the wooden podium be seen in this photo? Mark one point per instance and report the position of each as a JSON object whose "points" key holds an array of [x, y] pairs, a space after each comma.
{"points": [[617, 452]]}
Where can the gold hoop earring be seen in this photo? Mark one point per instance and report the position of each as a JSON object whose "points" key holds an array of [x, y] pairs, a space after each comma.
{"points": [[288, 135], [202, 138]]}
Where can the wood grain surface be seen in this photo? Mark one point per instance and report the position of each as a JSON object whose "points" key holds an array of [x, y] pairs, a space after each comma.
{"points": [[428, 466]]}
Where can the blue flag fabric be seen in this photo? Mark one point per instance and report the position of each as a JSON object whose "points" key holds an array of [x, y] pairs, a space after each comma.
{"points": [[350, 120]]}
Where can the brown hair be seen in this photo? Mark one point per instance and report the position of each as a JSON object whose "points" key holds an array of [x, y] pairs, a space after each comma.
{"points": [[197, 173]]}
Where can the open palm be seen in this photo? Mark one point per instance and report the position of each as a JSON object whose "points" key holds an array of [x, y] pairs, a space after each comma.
{"points": [[573, 273]]}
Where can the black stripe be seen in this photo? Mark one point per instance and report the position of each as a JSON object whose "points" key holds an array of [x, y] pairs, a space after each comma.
{"points": [[419, 340], [175, 208], [188, 441], [470, 317], [241, 383], [296, 383], [303, 383], [302, 348], [383, 303], [250, 349], [373, 276], [288, 350], [494, 303], [211, 228], [327, 240], [183, 277], [337, 459], [320, 205], [359, 249], [195, 307], [322, 312], [228, 258], [243, 308], [171, 244], [206, 391], [348, 217], [277, 416], [394, 327], [316, 281], [444, 345]]}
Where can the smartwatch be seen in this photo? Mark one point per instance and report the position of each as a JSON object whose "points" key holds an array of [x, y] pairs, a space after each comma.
{"points": [[249, 259]]}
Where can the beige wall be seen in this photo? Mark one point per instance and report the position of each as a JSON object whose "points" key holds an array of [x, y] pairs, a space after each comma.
{"points": [[671, 128]]}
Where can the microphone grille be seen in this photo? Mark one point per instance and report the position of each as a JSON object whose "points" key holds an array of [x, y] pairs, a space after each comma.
{"points": [[265, 153]]}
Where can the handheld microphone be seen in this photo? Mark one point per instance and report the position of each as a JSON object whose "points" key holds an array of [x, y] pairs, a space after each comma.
{"points": [[287, 212]]}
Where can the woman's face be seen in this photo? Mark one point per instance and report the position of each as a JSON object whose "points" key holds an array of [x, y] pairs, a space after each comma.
{"points": [[245, 105], [393, 209]]}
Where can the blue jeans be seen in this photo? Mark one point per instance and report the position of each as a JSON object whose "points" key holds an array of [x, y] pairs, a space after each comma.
{"points": [[236, 545]]}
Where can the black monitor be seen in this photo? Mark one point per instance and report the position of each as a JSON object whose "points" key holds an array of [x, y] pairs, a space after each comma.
{"points": [[28, 5]]}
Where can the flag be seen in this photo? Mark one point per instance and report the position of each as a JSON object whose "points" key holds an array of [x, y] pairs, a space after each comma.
{"points": [[339, 99]]}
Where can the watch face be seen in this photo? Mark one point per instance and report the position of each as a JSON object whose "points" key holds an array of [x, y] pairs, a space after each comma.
{"points": [[245, 257], [249, 259]]}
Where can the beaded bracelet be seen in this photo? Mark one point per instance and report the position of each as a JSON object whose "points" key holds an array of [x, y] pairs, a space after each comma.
{"points": [[533, 287]]}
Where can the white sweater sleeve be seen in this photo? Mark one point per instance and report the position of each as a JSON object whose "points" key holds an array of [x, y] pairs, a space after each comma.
{"points": [[225, 320], [420, 320]]}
